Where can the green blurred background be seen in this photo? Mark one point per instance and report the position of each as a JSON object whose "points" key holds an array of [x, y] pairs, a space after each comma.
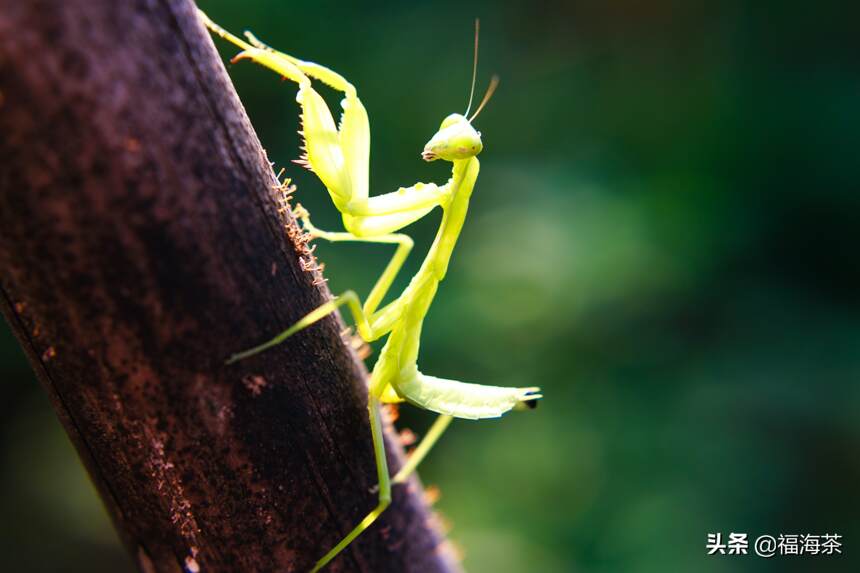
{"points": [[663, 237]]}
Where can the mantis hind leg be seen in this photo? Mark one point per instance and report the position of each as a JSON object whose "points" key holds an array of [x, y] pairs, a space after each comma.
{"points": [[436, 430], [385, 482], [384, 486], [427, 442]]}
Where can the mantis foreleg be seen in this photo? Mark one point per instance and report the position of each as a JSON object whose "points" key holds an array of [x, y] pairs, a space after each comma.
{"points": [[340, 157]]}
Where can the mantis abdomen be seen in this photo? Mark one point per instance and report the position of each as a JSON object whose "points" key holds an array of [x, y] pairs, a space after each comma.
{"points": [[463, 400]]}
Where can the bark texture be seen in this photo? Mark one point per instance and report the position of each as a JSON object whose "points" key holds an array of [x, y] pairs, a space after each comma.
{"points": [[141, 243]]}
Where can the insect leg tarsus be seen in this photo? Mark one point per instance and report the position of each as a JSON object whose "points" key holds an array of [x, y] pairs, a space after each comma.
{"points": [[369, 323], [348, 298], [221, 32]]}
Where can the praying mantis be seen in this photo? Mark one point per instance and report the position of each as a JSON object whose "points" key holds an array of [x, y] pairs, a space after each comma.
{"points": [[339, 156]]}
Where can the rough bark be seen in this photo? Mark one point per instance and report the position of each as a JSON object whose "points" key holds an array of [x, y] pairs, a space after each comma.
{"points": [[141, 243]]}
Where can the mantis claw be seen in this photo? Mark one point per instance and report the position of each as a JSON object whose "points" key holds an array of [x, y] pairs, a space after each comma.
{"points": [[299, 212]]}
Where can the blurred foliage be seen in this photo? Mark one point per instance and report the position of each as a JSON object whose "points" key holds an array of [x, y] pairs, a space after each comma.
{"points": [[661, 238]]}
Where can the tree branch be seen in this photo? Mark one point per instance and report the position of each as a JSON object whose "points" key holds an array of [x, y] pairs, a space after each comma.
{"points": [[140, 245]]}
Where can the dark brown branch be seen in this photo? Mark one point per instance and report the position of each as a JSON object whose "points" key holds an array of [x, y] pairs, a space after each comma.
{"points": [[140, 245]]}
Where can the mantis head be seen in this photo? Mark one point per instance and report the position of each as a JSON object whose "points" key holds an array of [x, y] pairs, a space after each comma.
{"points": [[456, 138]]}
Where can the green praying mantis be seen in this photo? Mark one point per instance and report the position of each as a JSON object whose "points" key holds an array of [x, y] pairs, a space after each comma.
{"points": [[339, 156]]}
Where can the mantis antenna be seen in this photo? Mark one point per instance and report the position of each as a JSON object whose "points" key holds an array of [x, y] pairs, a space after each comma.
{"points": [[474, 67], [491, 89]]}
